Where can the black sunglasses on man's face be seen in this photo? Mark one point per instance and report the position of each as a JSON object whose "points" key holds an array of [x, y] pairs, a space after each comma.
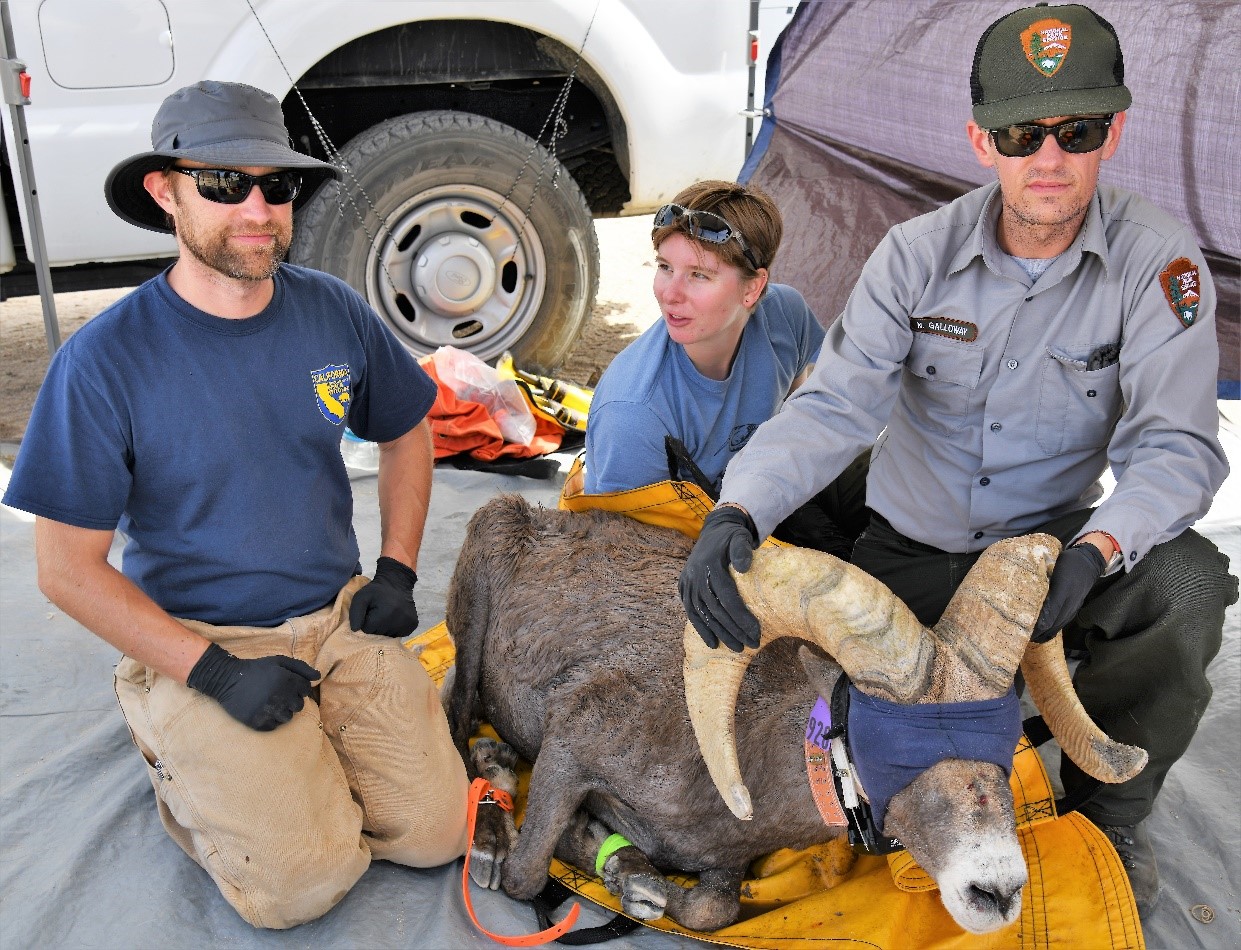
{"points": [[1075, 136], [229, 187]]}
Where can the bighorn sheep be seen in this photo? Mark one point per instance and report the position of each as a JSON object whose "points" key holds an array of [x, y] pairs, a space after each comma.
{"points": [[572, 642]]}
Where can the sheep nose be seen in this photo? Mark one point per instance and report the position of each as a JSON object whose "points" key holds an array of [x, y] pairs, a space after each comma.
{"points": [[998, 898]]}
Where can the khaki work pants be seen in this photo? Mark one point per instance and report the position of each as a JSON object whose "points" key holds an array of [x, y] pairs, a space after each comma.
{"points": [[286, 821]]}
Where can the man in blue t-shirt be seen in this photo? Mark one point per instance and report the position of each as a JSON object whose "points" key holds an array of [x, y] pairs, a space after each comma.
{"points": [[682, 399], [289, 741]]}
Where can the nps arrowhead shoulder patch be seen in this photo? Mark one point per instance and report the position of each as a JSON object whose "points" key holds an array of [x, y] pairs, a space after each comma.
{"points": [[1179, 281], [1046, 44]]}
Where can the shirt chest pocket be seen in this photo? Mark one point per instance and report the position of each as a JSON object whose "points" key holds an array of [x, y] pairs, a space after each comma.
{"points": [[940, 381], [1077, 407]]}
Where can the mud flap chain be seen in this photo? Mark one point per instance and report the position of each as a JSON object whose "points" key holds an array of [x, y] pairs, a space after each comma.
{"points": [[555, 118]]}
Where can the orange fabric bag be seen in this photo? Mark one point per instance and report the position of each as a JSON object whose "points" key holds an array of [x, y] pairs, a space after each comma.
{"points": [[461, 426]]}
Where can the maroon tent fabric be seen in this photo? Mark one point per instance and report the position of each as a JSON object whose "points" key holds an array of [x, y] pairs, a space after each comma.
{"points": [[868, 101]]}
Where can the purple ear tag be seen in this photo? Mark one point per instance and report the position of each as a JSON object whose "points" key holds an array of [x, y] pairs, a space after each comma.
{"points": [[819, 724]]}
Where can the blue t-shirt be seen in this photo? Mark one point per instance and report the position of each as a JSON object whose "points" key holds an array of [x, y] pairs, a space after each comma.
{"points": [[214, 444], [652, 389]]}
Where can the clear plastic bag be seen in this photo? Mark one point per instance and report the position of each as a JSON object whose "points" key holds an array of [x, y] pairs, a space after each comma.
{"points": [[470, 378], [358, 452]]}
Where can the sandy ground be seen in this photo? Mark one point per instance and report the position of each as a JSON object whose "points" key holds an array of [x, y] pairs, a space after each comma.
{"points": [[623, 308]]}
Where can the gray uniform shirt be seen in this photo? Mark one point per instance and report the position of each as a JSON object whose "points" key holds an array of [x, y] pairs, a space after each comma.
{"points": [[1004, 400]]}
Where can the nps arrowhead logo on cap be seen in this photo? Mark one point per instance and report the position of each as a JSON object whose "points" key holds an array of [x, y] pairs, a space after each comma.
{"points": [[1091, 81], [1046, 44]]}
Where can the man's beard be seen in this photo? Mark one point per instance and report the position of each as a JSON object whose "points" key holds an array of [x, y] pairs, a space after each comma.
{"points": [[1043, 230], [254, 263], [1049, 223]]}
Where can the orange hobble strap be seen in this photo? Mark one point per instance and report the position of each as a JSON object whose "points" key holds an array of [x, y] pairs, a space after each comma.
{"points": [[483, 792]]}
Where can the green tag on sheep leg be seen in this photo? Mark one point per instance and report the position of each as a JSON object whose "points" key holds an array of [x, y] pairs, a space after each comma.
{"points": [[611, 844]]}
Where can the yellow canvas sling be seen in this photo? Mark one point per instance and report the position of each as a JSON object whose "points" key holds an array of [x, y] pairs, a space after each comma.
{"points": [[822, 897]]}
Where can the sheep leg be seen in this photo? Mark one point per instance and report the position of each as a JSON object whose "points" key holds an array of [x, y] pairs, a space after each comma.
{"points": [[712, 903], [556, 792], [645, 893], [627, 873], [494, 831]]}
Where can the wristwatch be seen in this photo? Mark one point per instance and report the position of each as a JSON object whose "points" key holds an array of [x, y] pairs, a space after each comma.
{"points": [[1115, 561], [1113, 564]]}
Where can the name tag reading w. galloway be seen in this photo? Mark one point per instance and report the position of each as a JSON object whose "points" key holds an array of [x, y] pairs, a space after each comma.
{"points": [[942, 326]]}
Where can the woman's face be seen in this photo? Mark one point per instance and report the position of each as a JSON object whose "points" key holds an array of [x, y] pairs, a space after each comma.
{"points": [[705, 301]]}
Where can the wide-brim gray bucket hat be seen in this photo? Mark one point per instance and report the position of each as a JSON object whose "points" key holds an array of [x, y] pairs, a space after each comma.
{"points": [[1047, 61], [220, 123]]}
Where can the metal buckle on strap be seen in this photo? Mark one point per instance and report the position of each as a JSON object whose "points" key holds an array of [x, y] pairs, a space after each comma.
{"points": [[496, 796]]}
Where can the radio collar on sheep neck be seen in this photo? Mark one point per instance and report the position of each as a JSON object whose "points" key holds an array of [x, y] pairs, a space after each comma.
{"points": [[864, 834]]}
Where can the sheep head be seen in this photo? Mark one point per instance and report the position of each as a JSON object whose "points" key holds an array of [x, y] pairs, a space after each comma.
{"points": [[972, 654]]}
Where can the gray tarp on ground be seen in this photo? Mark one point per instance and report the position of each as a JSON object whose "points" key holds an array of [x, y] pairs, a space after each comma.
{"points": [[869, 100], [84, 861]]}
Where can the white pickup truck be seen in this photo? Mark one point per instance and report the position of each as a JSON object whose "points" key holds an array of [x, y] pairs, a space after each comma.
{"points": [[455, 225]]}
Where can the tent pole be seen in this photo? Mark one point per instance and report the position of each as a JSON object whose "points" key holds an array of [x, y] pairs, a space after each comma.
{"points": [[16, 85]]}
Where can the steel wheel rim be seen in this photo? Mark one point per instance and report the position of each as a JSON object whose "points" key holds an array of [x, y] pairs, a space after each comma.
{"points": [[452, 271]]}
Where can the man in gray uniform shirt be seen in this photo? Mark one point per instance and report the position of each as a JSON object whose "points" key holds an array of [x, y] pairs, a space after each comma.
{"points": [[1015, 344]]}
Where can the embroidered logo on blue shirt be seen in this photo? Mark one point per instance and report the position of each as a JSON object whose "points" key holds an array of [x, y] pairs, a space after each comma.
{"points": [[332, 392], [740, 436]]}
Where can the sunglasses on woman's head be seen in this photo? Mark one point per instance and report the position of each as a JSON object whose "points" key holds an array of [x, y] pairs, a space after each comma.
{"points": [[705, 226], [1075, 136], [228, 187]]}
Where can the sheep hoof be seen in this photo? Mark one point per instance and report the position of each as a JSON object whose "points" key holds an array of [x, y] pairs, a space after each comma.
{"points": [[643, 891], [494, 837], [644, 899], [490, 756]]}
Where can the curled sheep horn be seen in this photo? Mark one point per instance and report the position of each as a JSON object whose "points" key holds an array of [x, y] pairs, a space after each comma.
{"points": [[1080, 739], [972, 654]]}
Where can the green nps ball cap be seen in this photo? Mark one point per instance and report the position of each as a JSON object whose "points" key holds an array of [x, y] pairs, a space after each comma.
{"points": [[1046, 61]]}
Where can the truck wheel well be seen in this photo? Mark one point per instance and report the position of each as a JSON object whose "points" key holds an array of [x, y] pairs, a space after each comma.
{"points": [[496, 70]]}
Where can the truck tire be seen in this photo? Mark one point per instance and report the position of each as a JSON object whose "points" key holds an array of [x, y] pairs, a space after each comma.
{"points": [[422, 228]]}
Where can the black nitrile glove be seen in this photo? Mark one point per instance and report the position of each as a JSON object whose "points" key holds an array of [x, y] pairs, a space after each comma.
{"points": [[386, 605], [262, 693], [709, 592], [1076, 572]]}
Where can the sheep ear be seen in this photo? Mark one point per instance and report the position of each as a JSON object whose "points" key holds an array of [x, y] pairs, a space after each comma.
{"points": [[820, 670]]}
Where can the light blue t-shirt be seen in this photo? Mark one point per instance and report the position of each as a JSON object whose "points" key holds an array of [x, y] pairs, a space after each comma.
{"points": [[652, 389]]}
